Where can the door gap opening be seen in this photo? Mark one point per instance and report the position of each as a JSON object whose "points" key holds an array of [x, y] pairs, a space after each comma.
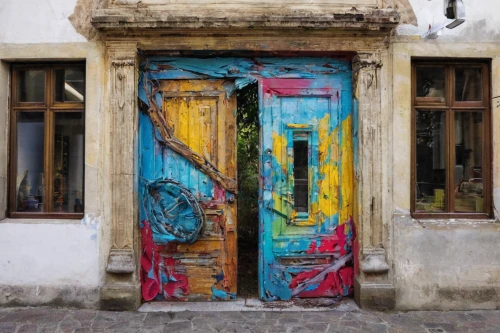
{"points": [[248, 187]]}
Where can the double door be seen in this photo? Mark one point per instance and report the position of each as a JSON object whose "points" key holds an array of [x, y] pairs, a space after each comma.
{"points": [[188, 190]]}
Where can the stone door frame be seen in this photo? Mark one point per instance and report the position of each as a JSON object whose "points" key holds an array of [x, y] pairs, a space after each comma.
{"points": [[374, 283]]}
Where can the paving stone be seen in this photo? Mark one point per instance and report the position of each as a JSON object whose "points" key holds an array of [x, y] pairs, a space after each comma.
{"points": [[27, 328], [178, 326], [46, 329], [298, 329], [369, 327], [68, 325], [45, 320], [231, 317], [317, 327], [152, 330], [186, 315], [237, 328], [158, 318], [103, 320], [83, 330], [368, 317]]}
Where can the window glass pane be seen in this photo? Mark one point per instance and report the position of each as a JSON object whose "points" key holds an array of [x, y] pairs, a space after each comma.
{"points": [[431, 82], [31, 85], [300, 174], [431, 161], [69, 85], [469, 162], [68, 162], [468, 84], [30, 173]]}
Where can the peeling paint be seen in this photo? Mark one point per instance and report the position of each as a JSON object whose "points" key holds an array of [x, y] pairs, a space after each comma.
{"points": [[183, 139], [307, 253]]}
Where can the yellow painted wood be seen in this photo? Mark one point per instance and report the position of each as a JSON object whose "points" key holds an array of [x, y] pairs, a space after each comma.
{"points": [[203, 118]]}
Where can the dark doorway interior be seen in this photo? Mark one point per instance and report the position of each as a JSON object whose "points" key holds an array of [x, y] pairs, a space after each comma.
{"points": [[248, 185]]}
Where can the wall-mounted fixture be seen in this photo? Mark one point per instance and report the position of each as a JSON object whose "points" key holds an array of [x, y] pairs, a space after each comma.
{"points": [[454, 11]]}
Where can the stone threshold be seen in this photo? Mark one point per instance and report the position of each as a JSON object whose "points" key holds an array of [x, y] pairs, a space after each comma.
{"points": [[252, 304]]}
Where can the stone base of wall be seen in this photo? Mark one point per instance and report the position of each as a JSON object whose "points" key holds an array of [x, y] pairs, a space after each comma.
{"points": [[450, 298], [374, 296], [50, 295], [121, 296]]}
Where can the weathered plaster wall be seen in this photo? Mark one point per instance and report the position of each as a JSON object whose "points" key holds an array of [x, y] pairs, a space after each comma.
{"points": [[448, 264], [31, 21], [482, 23], [58, 261]]}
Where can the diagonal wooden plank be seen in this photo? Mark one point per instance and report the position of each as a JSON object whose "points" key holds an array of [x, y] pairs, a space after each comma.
{"points": [[168, 138]]}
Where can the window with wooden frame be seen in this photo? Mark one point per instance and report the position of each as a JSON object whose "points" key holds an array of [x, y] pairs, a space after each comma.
{"points": [[451, 140], [46, 168]]}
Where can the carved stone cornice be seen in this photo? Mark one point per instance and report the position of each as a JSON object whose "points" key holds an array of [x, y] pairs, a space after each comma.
{"points": [[193, 20]]}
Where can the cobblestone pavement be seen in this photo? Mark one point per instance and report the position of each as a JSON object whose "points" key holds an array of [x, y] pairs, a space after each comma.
{"points": [[43, 319]]}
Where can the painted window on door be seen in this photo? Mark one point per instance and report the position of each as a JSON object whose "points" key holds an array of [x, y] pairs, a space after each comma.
{"points": [[301, 144]]}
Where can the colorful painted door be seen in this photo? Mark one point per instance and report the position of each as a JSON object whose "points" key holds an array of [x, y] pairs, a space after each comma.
{"points": [[307, 189], [187, 137]]}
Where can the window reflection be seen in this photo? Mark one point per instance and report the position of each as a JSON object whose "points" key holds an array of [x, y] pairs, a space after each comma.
{"points": [[68, 163], [431, 82], [431, 161], [30, 173], [31, 85], [70, 85], [468, 162], [468, 85]]}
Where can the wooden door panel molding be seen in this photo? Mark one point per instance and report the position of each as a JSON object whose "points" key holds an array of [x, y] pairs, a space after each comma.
{"points": [[189, 208], [168, 138], [306, 247]]}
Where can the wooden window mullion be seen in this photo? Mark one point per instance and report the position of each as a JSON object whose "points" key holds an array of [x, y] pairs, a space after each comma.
{"points": [[413, 158], [49, 153], [450, 130], [487, 143], [450, 168]]}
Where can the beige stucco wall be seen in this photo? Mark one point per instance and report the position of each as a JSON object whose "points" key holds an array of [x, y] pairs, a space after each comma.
{"points": [[481, 24], [58, 261], [446, 264]]}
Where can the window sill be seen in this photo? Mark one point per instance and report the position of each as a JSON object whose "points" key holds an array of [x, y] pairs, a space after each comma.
{"points": [[38, 220], [44, 216], [451, 216], [453, 221]]}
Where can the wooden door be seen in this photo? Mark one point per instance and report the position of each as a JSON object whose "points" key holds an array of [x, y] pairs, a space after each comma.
{"points": [[307, 188], [188, 171]]}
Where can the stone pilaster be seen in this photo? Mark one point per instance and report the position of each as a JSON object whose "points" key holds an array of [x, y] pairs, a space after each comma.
{"points": [[373, 287], [121, 290]]}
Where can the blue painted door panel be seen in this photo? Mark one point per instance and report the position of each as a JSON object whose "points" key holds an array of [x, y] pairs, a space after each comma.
{"points": [[306, 191]]}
